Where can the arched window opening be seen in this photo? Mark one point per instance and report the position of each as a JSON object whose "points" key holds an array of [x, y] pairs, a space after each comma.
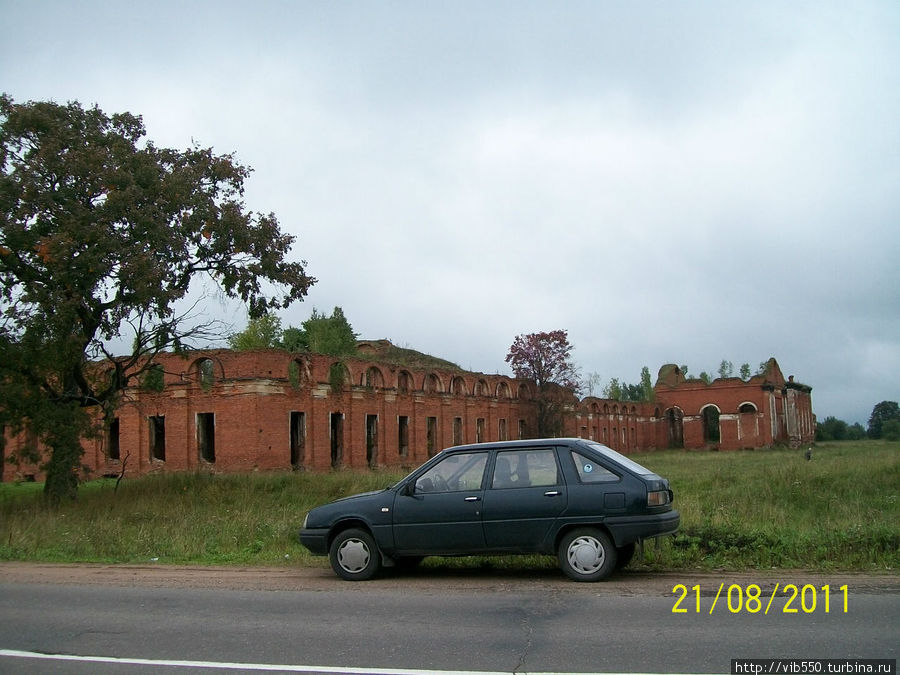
{"points": [[404, 382], [432, 384], [710, 416], [373, 379], [206, 373], [675, 427]]}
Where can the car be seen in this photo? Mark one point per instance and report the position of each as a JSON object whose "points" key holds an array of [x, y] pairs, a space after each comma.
{"points": [[573, 498]]}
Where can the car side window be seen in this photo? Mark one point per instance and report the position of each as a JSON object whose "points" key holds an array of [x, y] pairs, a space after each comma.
{"points": [[590, 471], [525, 468], [455, 473]]}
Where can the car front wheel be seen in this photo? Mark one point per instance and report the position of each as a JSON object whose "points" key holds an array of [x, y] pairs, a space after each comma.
{"points": [[354, 556], [587, 554]]}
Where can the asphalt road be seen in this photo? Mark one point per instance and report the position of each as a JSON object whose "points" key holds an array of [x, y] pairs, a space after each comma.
{"points": [[153, 620]]}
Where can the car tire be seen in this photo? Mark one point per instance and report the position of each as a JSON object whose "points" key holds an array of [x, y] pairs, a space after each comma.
{"points": [[354, 556], [624, 554], [587, 554]]}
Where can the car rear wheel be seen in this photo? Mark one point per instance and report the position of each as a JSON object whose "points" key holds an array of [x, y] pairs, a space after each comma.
{"points": [[354, 555], [587, 554]]}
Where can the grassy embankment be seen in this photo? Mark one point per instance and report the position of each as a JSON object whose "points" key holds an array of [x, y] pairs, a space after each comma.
{"points": [[740, 510]]}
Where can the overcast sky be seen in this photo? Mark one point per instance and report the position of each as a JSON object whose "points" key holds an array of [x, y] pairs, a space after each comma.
{"points": [[671, 182]]}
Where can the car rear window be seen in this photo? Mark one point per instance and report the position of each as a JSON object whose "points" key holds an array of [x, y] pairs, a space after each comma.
{"points": [[620, 459], [591, 472]]}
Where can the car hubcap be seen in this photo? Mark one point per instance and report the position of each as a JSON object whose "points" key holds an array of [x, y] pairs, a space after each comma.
{"points": [[353, 555], [586, 555]]}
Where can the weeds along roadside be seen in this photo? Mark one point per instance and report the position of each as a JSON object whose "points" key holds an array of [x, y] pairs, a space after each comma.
{"points": [[740, 510]]}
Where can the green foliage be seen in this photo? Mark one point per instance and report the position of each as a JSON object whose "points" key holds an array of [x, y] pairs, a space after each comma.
{"points": [[263, 332], [411, 358], [153, 378], [890, 430], [293, 339], [831, 429], [613, 390], [726, 369], [622, 391], [321, 334], [101, 234], [745, 371], [882, 412], [647, 393]]}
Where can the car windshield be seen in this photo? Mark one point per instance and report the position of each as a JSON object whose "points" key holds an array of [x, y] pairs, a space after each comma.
{"points": [[620, 459]]}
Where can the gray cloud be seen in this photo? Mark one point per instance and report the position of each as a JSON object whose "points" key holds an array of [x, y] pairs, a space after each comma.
{"points": [[669, 181]]}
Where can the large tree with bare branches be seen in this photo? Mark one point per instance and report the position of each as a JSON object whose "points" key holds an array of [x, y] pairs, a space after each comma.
{"points": [[103, 236]]}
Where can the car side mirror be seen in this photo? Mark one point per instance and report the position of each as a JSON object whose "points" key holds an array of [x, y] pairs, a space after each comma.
{"points": [[409, 489]]}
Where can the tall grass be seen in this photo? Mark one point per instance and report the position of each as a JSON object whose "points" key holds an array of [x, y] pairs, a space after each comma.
{"points": [[748, 509], [775, 508], [175, 518]]}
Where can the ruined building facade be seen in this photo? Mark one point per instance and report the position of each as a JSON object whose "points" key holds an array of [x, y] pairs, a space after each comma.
{"points": [[221, 410]]}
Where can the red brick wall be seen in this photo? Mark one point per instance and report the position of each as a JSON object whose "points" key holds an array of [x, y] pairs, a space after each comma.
{"points": [[252, 395]]}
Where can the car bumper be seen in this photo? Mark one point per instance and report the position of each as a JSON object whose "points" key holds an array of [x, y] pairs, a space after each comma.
{"points": [[628, 529], [316, 540]]}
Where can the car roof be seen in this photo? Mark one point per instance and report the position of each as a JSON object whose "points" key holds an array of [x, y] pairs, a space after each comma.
{"points": [[526, 443]]}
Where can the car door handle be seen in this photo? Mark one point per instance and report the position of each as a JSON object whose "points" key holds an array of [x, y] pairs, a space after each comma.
{"points": [[472, 499], [552, 493]]}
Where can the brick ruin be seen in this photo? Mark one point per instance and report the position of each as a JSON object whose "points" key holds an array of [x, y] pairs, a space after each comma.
{"points": [[220, 410]]}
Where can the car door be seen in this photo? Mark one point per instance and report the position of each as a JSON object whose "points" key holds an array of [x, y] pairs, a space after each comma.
{"points": [[523, 498], [440, 513]]}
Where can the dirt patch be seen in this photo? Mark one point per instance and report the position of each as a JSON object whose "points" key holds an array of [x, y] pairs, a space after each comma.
{"points": [[423, 580]]}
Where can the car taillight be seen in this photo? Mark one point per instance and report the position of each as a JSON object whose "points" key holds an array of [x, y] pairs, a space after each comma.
{"points": [[658, 498]]}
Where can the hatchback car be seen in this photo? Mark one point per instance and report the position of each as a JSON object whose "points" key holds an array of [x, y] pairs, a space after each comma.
{"points": [[576, 499]]}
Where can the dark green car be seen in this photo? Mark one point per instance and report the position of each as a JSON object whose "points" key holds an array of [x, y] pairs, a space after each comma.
{"points": [[572, 498]]}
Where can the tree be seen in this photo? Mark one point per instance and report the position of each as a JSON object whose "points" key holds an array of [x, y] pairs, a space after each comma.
{"points": [[890, 430], [882, 412], [613, 390], [263, 332], [632, 392], [545, 358], [591, 382], [726, 369], [647, 392], [745, 371], [323, 334], [831, 429], [102, 235]]}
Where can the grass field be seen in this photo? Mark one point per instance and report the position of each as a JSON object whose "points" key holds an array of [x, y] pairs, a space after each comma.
{"points": [[740, 510]]}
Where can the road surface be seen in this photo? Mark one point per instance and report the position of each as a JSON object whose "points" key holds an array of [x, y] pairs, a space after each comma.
{"points": [[155, 619]]}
